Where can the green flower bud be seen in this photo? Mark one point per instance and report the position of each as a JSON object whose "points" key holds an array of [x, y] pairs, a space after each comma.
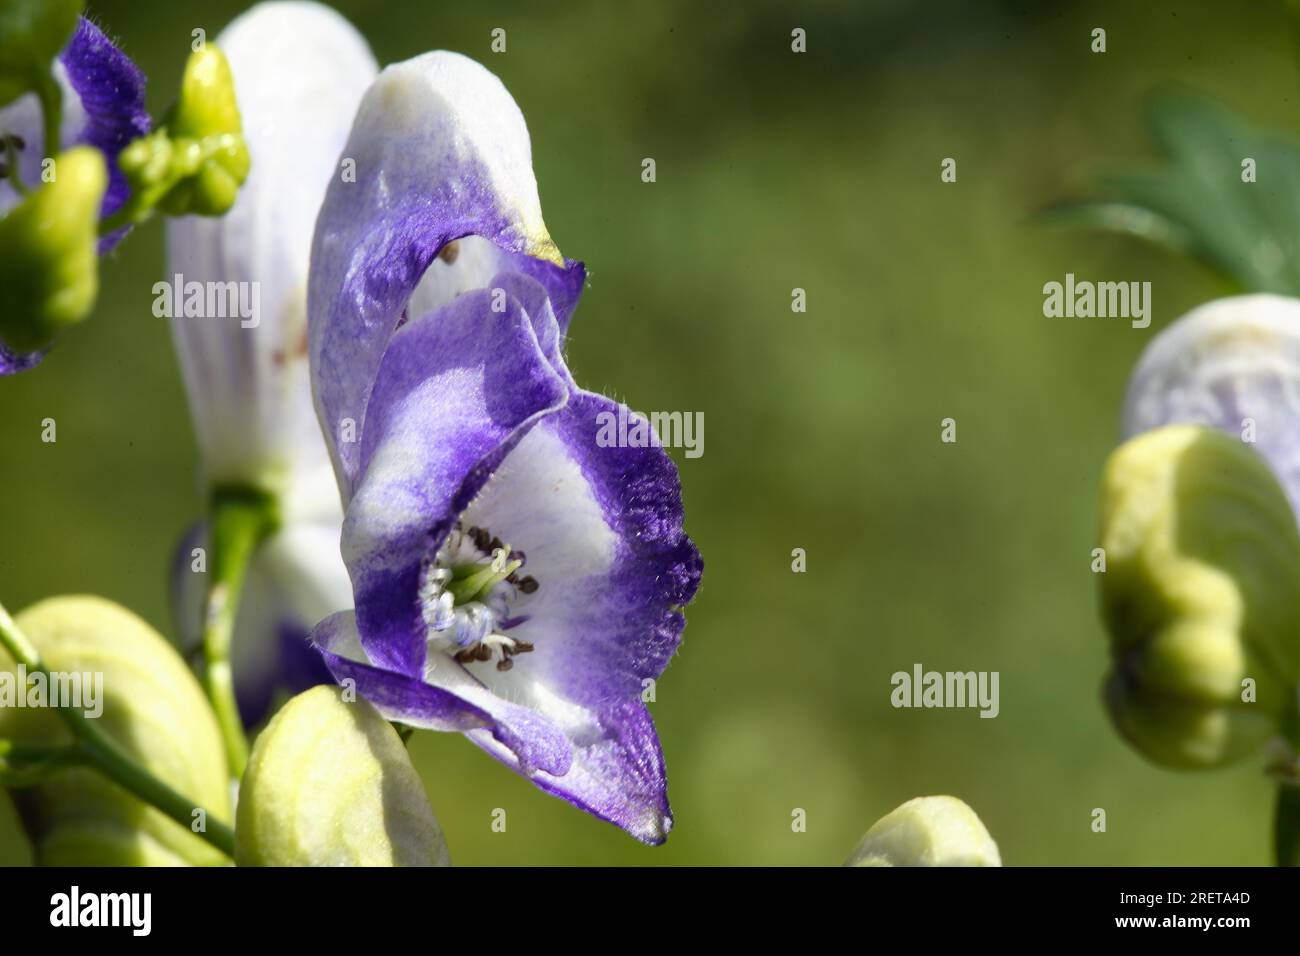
{"points": [[207, 105], [49, 253], [927, 831], [32, 34], [1200, 596], [197, 159], [152, 707], [329, 783]]}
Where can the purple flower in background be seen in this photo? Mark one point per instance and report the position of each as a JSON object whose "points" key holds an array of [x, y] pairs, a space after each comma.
{"points": [[103, 107], [512, 579]]}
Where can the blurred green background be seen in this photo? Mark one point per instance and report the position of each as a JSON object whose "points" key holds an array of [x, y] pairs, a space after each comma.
{"points": [[777, 170]]}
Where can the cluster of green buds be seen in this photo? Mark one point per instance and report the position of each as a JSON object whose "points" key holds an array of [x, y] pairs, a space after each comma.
{"points": [[196, 160]]}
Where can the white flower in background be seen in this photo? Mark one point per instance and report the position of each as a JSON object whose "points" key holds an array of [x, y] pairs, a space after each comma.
{"points": [[300, 70], [1231, 364]]}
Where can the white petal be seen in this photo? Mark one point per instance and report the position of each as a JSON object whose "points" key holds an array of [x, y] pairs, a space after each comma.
{"points": [[302, 563], [1233, 364], [300, 70]]}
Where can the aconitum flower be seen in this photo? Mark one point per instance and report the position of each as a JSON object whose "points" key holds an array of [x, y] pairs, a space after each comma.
{"points": [[245, 370], [512, 579], [1200, 536], [103, 107]]}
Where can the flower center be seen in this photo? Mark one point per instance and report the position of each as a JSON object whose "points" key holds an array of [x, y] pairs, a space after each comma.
{"points": [[466, 591]]}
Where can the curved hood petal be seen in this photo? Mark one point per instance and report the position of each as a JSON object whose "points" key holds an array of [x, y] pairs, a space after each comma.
{"points": [[441, 151], [1232, 364]]}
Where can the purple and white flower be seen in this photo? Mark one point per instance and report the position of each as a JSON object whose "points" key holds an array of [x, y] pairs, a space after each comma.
{"points": [[247, 382], [1231, 364], [103, 107], [512, 580]]}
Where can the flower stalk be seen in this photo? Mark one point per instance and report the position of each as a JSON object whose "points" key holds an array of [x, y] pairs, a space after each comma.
{"points": [[1286, 816], [95, 749], [242, 518]]}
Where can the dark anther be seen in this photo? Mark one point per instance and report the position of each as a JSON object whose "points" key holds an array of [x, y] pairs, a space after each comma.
{"points": [[480, 537], [449, 252], [527, 584], [505, 664], [522, 647]]}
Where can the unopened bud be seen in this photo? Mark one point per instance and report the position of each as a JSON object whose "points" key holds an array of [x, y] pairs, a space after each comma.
{"points": [[927, 831]]}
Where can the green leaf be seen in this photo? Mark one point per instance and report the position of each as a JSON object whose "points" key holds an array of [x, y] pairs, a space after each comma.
{"points": [[1197, 203]]}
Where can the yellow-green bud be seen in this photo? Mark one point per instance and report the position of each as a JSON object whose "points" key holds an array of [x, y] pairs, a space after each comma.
{"points": [[197, 159], [49, 254], [206, 127], [152, 707], [329, 783], [1200, 594], [927, 831], [207, 105]]}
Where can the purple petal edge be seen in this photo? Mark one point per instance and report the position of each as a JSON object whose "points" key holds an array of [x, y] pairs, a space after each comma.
{"points": [[619, 777], [111, 88], [11, 363], [537, 746]]}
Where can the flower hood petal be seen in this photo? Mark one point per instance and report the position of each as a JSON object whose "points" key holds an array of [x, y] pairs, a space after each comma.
{"points": [[441, 151], [1232, 364]]}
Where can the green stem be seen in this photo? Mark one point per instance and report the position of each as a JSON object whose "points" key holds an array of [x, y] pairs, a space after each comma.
{"points": [[128, 215], [106, 757], [241, 519], [1286, 815], [1286, 825], [25, 765], [51, 100], [97, 749]]}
